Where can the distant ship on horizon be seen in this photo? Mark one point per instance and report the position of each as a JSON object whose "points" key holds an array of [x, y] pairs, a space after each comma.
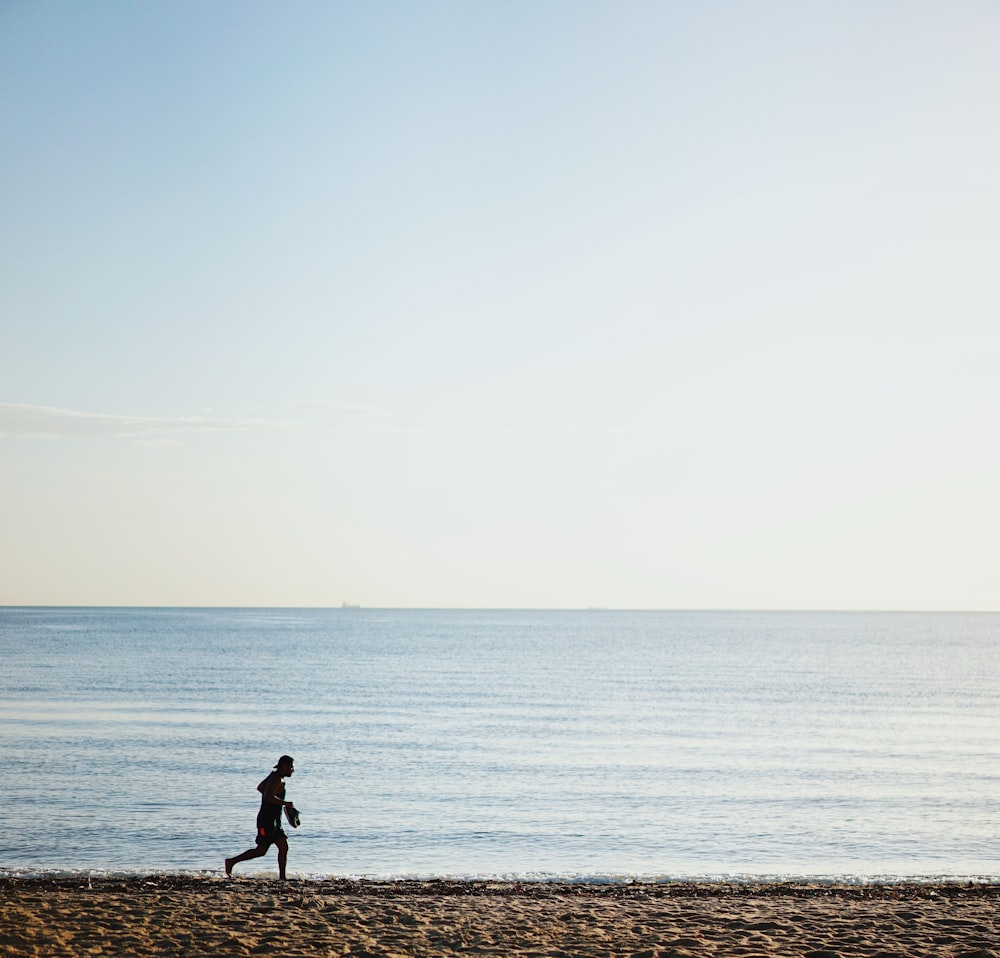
{"points": [[349, 605]]}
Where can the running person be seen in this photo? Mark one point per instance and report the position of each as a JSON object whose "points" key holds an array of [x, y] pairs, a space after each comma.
{"points": [[269, 831]]}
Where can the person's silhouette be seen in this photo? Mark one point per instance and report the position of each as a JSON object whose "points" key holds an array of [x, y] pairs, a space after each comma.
{"points": [[269, 831]]}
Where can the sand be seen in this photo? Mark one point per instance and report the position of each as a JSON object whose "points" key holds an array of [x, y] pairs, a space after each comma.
{"points": [[168, 915]]}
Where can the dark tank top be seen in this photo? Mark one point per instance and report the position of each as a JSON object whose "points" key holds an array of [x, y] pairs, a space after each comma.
{"points": [[269, 809]]}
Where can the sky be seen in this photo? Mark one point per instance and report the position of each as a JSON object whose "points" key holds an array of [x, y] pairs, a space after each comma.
{"points": [[549, 304]]}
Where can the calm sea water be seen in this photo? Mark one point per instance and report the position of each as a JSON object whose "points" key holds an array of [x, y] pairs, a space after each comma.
{"points": [[599, 745]]}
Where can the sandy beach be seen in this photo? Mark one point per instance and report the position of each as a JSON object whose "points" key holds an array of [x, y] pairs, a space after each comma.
{"points": [[171, 915]]}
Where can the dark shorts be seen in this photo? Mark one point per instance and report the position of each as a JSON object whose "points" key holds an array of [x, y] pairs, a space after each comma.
{"points": [[268, 830]]}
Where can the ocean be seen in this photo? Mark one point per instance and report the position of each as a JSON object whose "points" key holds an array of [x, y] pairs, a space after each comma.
{"points": [[580, 745]]}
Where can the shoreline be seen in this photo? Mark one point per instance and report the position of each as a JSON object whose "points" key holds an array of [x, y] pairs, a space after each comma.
{"points": [[893, 889], [160, 914], [756, 884]]}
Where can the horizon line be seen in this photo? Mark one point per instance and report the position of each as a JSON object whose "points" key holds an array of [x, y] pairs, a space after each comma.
{"points": [[352, 607]]}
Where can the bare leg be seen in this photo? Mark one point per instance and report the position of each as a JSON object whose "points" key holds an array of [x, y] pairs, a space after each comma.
{"points": [[246, 856], [282, 844]]}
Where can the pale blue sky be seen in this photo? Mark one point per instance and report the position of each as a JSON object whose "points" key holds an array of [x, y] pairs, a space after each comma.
{"points": [[548, 304]]}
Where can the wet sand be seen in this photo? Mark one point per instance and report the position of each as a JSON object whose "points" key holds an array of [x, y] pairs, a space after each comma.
{"points": [[173, 915]]}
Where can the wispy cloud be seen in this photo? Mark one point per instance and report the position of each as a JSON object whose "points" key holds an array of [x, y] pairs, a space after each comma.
{"points": [[28, 421], [340, 411]]}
